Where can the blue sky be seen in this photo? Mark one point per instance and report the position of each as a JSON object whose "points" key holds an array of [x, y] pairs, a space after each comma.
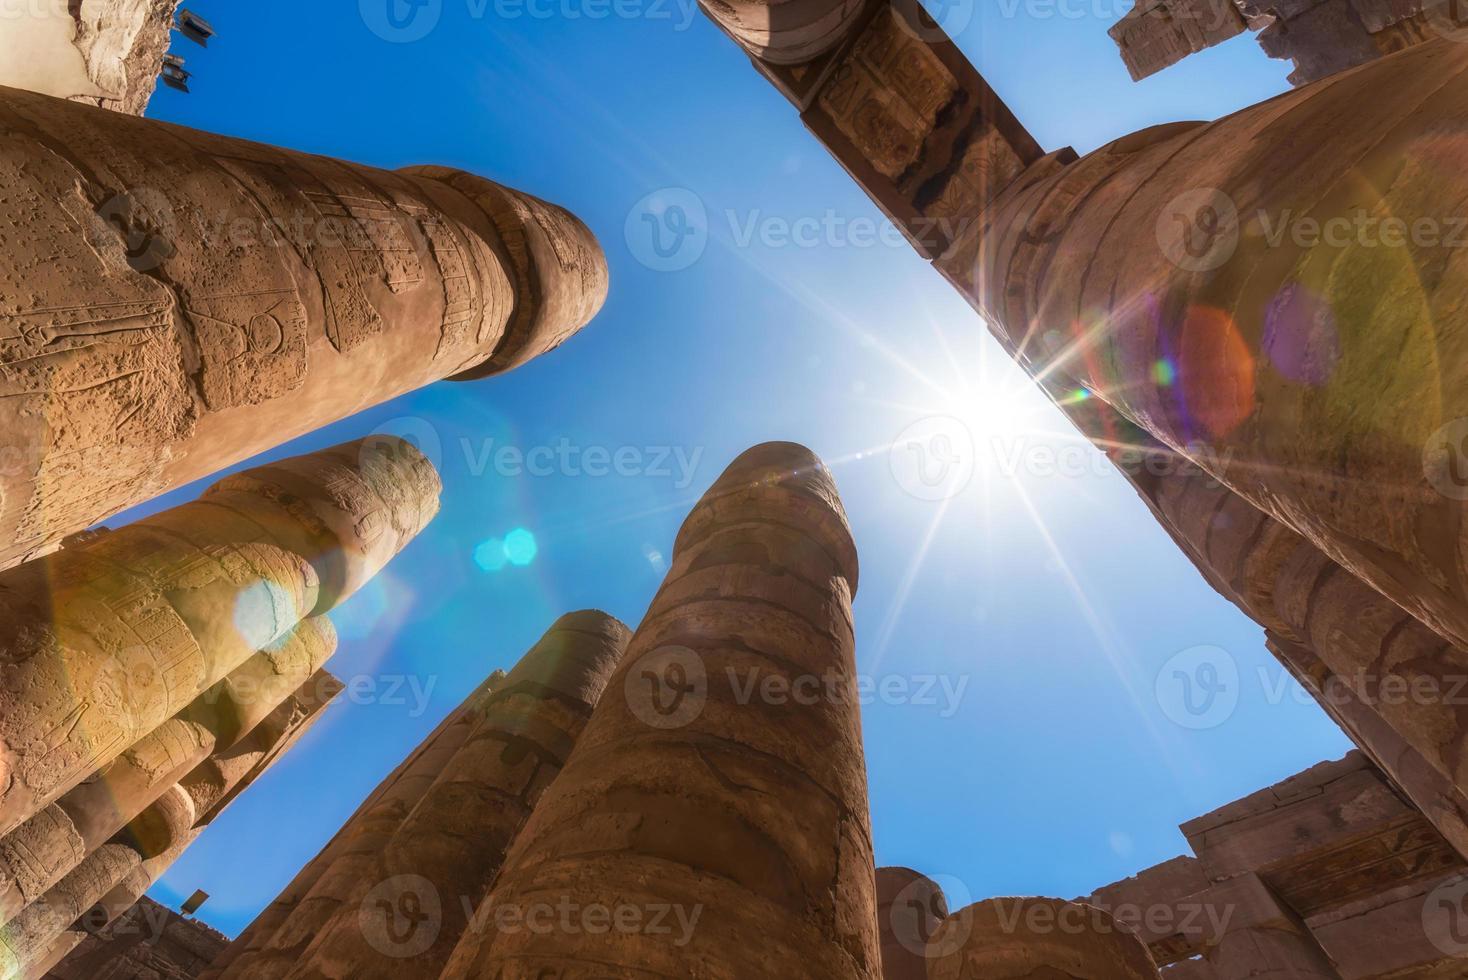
{"points": [[1020, 625]]}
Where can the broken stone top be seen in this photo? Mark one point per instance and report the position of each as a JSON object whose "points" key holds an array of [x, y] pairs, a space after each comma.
{"points": [[347, 510], [559, 269], [785, 32], [778, 483], [1027, 938]]}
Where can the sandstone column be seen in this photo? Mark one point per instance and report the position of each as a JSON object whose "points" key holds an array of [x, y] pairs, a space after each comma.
{"points": [[712, 819], [176, 302], [405, 918], [910, 908], [106, 641], [39, 852], [273, 943], [1175, 275], [1023, 938], [112, 878]]}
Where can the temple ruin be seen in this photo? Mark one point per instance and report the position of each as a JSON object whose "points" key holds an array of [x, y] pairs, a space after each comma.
{"points": [[173, 303]]}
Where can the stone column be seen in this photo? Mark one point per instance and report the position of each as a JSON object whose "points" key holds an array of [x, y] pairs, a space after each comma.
{"points": [[1262, 939], [712, 819], [29, 936], [1024, 938], [404, 920], [38, 853], [177, 301], [114, 876], [106, 641], [275, 941], [1317, 375], [910, 908]]}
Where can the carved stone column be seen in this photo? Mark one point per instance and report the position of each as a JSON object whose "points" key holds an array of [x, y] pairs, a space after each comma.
{"points": [[104, 642], [405, 919], [712, 819], [39, 852], [271, 945], [1024, 938], [175, 302]]}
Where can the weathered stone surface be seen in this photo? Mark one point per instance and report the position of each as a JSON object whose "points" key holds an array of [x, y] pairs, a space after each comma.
{"points": [[448, 849], [39, 852], [1035, 939], [148, 942], [105, 642], [272, 944], [177, 301], [742, 817], [103, 52], [785, 32], [1157, 33]]}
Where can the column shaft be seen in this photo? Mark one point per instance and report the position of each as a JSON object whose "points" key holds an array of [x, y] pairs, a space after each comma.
{"points": [[106, 641], [449, 848], [712, 819], [177, 302]]}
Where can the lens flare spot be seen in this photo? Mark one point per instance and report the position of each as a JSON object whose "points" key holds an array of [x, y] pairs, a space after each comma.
{"points": [[1300, 336], [1164, 373], [263, 613], [1216, 371], [520, 547], [490, 555]]}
